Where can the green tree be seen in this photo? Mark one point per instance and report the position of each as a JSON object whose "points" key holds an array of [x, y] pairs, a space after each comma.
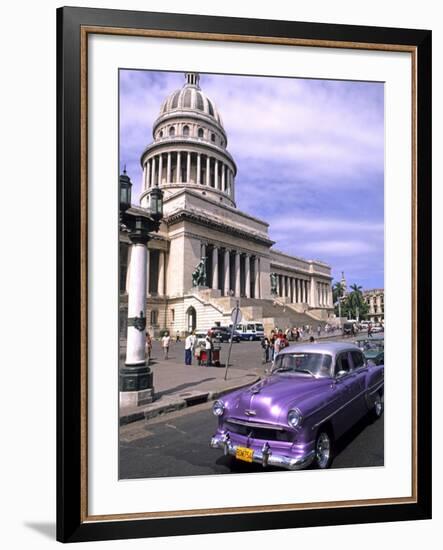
{"points": [[356, 305]]}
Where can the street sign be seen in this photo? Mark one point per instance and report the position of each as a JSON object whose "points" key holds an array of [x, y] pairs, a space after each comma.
{"points": [[236, 316]]}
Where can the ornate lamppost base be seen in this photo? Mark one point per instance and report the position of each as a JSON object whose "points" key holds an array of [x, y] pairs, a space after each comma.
{"points": [[136, 385]]}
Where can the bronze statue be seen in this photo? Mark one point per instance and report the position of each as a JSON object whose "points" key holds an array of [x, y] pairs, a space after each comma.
{"points": [[273, 283], [199, 273]]}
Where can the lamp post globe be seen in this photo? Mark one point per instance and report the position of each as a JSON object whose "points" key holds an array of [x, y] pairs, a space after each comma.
{"points": [[125, 191], [156, 203]]}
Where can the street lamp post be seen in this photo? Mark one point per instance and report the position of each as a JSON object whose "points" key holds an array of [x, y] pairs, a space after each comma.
{"points": [[135, 377]]}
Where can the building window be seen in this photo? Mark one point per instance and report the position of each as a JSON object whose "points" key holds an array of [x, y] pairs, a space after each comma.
{"points": [[154, 317], [212, 137], [186, 131], [172, 131], [172, 315], [200, 132], [160, 134]]}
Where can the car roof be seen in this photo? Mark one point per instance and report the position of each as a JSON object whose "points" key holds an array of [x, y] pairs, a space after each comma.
{"points": [[331, 348]]}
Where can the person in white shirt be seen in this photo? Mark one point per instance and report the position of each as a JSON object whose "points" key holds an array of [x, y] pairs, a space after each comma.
{"points": [[165, 345], [208, 348], [189, 348]]}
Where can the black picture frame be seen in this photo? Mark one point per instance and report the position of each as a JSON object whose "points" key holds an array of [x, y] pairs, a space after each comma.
{"points": [[73, 523]]}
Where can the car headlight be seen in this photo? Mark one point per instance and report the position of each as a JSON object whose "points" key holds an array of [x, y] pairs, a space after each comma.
{"points": [[294, 418], [218, 408]]}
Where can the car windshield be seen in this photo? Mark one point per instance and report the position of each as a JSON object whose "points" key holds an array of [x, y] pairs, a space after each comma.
{"points": [[315, 364]]}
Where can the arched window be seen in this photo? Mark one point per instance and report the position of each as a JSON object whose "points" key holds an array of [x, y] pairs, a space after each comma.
{"points": [[201, 132], [186, 131], [213, 137], [160, 134], [172, 131], [211, 108]]}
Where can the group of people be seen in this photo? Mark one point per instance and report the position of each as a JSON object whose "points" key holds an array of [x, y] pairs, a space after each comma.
{"points": [[279, 339], [190, 346]]}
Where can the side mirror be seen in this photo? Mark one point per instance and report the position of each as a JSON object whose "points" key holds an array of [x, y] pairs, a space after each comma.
{"points": [[341, 373]]}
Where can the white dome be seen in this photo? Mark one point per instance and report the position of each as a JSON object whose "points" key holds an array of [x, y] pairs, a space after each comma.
{"points": [[190, 98]]}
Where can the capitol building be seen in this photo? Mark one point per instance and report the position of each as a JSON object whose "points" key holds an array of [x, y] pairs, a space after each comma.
{"points": [[208, 254]]}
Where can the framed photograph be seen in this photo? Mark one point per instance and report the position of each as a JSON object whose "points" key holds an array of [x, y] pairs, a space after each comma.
{"points": [[244, 242]]}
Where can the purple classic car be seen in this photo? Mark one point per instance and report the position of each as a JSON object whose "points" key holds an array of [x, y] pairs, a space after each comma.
{"points": [[291, 419]]}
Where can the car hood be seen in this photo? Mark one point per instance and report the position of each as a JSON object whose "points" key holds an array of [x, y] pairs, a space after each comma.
{"points": [[270, 400]]}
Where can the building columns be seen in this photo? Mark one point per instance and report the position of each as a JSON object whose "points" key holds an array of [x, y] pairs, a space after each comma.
{"points": [[152, 171], [188, 169], [237, 274], [223, 177], [257, 277], [147, 174], [160, 169], [198, 167], [168, 169], [215, 268], [178, 177], [226, 265], [216, 182], [247, 276], [208, 170], [161, 273]]}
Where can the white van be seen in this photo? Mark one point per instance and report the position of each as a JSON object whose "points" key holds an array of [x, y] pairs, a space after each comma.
{"points": [[250, 330]]}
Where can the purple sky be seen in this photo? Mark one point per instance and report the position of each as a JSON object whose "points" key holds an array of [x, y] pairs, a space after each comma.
{"points": [[309, 153]]}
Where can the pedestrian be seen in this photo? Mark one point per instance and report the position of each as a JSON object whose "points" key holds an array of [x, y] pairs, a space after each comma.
{"points": [[272, 339], [165, 345], [208, 348], [279, 343], [318, 331], [177, 336], [265, 346], [370, 330], [311, 340], [189, 348], [148, 347], [297, 334]]}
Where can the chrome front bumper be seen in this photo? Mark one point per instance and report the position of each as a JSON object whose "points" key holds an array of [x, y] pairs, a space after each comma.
{"points": [[265, 456]]}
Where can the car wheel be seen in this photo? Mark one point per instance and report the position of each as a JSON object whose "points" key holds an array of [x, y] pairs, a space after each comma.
{"points": [[377, 410], [323, 450], [251, 338]]}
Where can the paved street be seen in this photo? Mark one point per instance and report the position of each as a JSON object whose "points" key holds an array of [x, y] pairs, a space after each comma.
{"points": [[178, 445]]}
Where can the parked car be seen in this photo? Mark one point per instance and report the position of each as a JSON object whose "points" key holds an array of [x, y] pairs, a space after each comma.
{"points": [[377, 328], [376, 341], [375, 355], [223, 334], [250, 330], [292, 419], [350, 327]]}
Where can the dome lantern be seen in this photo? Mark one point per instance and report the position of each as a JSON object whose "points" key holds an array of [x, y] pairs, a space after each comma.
{"points": [[193, 79]]}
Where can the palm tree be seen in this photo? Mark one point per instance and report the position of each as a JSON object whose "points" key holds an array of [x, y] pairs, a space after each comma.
{"points": [[337, 291], [357, 305]]}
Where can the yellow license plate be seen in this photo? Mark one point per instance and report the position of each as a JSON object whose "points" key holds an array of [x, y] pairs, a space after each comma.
{"points": [[243, 453]]}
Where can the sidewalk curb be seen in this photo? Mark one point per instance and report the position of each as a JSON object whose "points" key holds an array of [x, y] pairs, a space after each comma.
{"points": [[174, 404]]}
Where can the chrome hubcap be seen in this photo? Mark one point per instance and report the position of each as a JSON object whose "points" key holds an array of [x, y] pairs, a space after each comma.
{"points": [[323, 450], [378, 405]]}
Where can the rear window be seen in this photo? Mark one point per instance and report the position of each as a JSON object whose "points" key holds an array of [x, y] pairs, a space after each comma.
{"points": [[259, 326], [357, 359]]}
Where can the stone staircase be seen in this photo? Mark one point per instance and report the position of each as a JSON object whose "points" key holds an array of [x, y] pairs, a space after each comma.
{"points": [[271, 312]]}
